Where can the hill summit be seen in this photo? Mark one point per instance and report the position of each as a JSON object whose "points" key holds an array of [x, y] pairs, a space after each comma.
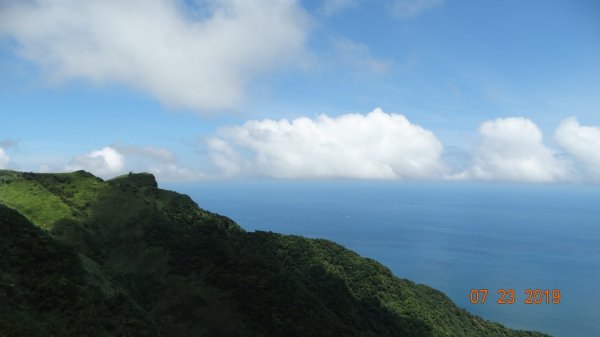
{"points": [[80, 256]]}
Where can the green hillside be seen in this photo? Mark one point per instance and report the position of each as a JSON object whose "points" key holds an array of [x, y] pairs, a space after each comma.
{"points": [[85, 257]]}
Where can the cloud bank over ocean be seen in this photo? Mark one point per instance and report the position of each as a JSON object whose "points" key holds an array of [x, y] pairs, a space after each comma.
{"points": [[378, 145], [375, 145], [583, 144], [512, 149]]}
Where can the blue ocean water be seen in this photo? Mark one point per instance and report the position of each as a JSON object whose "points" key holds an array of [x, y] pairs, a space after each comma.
{"points": [[452, 236]]}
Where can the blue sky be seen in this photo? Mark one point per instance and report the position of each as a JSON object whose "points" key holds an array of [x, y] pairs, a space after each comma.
{"points": [[400, 89]]}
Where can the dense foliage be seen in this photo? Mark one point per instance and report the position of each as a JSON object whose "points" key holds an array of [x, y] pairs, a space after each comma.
{"points": [[125, 258], [47, 289]]}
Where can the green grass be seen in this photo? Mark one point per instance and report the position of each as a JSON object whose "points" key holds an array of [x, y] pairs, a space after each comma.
{"points": [[33, 200], [46, 199]]}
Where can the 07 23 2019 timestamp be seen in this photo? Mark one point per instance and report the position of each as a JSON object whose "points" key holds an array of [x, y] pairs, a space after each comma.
{"points": [[508, 296]]}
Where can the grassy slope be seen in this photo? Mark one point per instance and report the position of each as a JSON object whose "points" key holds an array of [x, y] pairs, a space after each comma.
{"points": [[47, 289], [197, 273]]}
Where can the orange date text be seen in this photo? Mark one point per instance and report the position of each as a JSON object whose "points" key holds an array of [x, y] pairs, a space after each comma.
{"points": [[508, 296]]}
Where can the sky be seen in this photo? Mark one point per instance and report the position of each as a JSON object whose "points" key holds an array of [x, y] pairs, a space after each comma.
{"points": [[196, 90]]}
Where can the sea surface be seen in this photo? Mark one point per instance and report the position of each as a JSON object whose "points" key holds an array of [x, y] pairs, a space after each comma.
{"points": [[452, 236]]}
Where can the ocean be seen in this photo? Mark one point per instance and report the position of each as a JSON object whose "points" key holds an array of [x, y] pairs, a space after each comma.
{"points": [[453, 236]]}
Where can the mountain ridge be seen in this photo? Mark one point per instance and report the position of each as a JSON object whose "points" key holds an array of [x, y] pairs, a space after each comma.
{"points": [[180, 270]]}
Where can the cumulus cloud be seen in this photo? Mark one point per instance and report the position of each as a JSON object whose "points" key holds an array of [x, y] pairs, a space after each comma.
{"points": [[104, 162], [119, 158], [4, 159], [192, 54], [373, 146], [405, 9], [581, 142], [512, 149]]}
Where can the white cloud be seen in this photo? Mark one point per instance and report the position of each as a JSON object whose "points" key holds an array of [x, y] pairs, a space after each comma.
{"points": [[4, 159], [104, 162], [372, 146], [512, 150], [405, 9], [119, 158], [199, 54], [581, 142]]}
